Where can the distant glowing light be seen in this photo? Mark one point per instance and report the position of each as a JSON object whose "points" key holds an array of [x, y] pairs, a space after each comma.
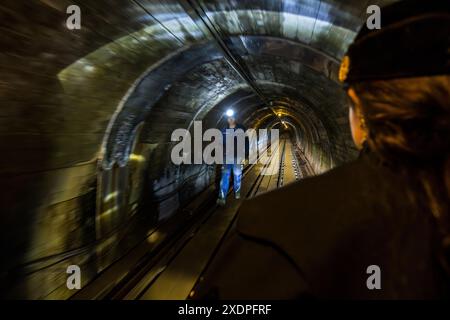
{"points": [[89, 68], [137, 157], [108, 212], [230, 113], [154, 237], [111, 196]]}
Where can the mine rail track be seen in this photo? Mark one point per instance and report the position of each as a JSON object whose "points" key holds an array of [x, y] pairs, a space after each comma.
{"points": [[173, 269]]}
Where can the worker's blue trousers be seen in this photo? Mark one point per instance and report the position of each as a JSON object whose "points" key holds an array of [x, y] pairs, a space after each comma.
{"points": [[225, 180]]}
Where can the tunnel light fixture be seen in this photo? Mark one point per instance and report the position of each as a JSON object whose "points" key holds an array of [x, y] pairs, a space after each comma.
{"points": [[111, 196], [230, 113], [89, 68], [137, 157]]}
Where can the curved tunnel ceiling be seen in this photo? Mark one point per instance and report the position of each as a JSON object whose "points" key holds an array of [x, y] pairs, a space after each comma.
{"points": [[310, 34], [116, 47], [137, 70]]}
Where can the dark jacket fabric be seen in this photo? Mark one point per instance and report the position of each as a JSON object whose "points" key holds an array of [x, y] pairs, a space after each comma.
{"points": [[227, 130], [317, 237]]}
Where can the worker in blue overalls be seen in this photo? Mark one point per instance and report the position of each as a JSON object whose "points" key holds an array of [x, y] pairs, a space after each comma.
{"points": [[233, 159]]}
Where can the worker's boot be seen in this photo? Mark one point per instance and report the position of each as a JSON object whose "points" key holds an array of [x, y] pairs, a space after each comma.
{"points": [[221, 201]]}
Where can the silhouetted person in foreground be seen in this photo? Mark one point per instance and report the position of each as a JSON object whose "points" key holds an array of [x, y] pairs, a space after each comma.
{"points": [[377, 227]]}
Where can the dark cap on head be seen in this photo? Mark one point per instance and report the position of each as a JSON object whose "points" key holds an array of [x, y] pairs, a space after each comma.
{"points": [[414, 41]]}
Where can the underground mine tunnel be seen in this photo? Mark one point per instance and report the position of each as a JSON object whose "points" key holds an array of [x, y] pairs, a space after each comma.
{"points": [[86, 122]]}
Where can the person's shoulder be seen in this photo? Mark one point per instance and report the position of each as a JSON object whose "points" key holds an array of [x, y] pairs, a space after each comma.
{"points": [[320, 201], [313, 215], [338, 223], [334, 183]]}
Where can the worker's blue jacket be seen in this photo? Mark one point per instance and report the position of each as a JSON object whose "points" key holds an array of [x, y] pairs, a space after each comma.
{"points": [[227, 130]]}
